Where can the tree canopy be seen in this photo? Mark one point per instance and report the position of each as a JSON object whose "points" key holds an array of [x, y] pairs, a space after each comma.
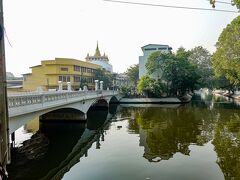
{"points": [[226, 59], [174, 71], [150, 87], [133, 73], [180, 73], [201, 57]]}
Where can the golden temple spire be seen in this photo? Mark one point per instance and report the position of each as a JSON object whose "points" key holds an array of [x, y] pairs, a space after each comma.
{"points": [[97, 52]]}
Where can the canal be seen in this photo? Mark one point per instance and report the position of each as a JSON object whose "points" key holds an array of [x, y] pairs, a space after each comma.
{"points": [[199, 140]]}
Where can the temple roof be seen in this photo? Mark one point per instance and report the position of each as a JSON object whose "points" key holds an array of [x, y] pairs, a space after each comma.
{"points": [[97, 52], [97, 55]]}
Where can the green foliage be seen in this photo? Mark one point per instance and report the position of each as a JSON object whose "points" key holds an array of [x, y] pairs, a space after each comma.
{"points": [[201, 57], [226, 59], [153, 62], [133, 73], [234, 3], [145, 84], [227, 145], [104, 76], [176, 74], [182, 53], [126, 90], [151, 87], [180, 73], [156, 62], [223, 83]]}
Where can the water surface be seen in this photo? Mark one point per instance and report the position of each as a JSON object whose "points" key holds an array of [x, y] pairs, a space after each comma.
{"points": [[199, 140]]}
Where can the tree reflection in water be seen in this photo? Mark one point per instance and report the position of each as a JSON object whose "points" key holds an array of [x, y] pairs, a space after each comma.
{"points": [[166, 131], [227, 146]]}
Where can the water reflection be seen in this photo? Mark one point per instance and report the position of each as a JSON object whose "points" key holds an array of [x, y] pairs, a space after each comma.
{"points": [[56, 147], [164, 131], [227, 145], [166, 136]]}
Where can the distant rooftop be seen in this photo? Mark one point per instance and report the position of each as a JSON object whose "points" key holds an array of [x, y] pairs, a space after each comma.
{"points": [[156, 45]]}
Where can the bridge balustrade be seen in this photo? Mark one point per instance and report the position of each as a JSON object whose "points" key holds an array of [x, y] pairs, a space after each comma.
{"points": [[23, 99]]}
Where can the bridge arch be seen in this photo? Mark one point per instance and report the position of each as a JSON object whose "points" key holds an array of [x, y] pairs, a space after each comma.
{"points": [[63, 114], [113, 100], [99, 104]]}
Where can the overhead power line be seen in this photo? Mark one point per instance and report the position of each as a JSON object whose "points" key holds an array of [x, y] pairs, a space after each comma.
{"points": [[170, 6]]}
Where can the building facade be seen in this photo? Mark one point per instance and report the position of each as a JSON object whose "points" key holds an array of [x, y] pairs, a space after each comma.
{"points": [[47, 75], [120, 80], [101, 60], [147, 51]]}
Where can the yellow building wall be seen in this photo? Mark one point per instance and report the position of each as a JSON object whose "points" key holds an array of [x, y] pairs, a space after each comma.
{"points": [[35, 80], [47, 74]]}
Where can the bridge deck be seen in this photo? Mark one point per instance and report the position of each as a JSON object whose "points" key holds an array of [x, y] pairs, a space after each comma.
{"points": [[26, 103]]}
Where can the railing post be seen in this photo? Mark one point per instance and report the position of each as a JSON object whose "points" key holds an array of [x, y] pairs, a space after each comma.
{"points": [[42, 99]]}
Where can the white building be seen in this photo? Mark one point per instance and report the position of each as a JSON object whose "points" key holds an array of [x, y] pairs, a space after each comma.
{"points": [[147, 51], [101, 60], [121, 80]]}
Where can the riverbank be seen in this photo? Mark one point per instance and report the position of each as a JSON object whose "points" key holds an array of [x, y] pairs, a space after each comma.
{"points": [[167, 100], [227, 94]]}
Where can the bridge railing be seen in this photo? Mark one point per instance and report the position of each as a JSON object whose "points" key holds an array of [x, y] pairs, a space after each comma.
{"points": [[23, 99]]}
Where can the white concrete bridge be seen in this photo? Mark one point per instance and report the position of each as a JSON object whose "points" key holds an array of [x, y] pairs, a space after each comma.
{"points": [[24, 107]]}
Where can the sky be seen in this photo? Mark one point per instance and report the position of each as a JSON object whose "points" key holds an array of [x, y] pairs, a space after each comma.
{"points": [[44, 29]]}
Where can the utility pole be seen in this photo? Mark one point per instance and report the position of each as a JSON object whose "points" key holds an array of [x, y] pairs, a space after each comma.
{"points": [[4, 127]]}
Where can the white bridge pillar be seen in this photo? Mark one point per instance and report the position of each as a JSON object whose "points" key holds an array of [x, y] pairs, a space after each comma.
{"points": [[101, 85], [60, 86], [96, 85], [69, 86]]}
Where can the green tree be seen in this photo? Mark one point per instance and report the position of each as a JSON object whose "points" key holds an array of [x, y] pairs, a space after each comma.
{"points": [[156, 62], [174, 71], [180, 73], [201, 57], [223, 83], [151, 87], [104, 76], [226, 59], [126, 90], [133, 73], [145, 85]]}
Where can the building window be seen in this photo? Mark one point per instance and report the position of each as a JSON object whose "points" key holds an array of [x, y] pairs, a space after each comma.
{"points": [[77, 78], [83, 69], [150, 49], [162, 48], [77, 68], [64, 78], [88, 70], [64, 69]]}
